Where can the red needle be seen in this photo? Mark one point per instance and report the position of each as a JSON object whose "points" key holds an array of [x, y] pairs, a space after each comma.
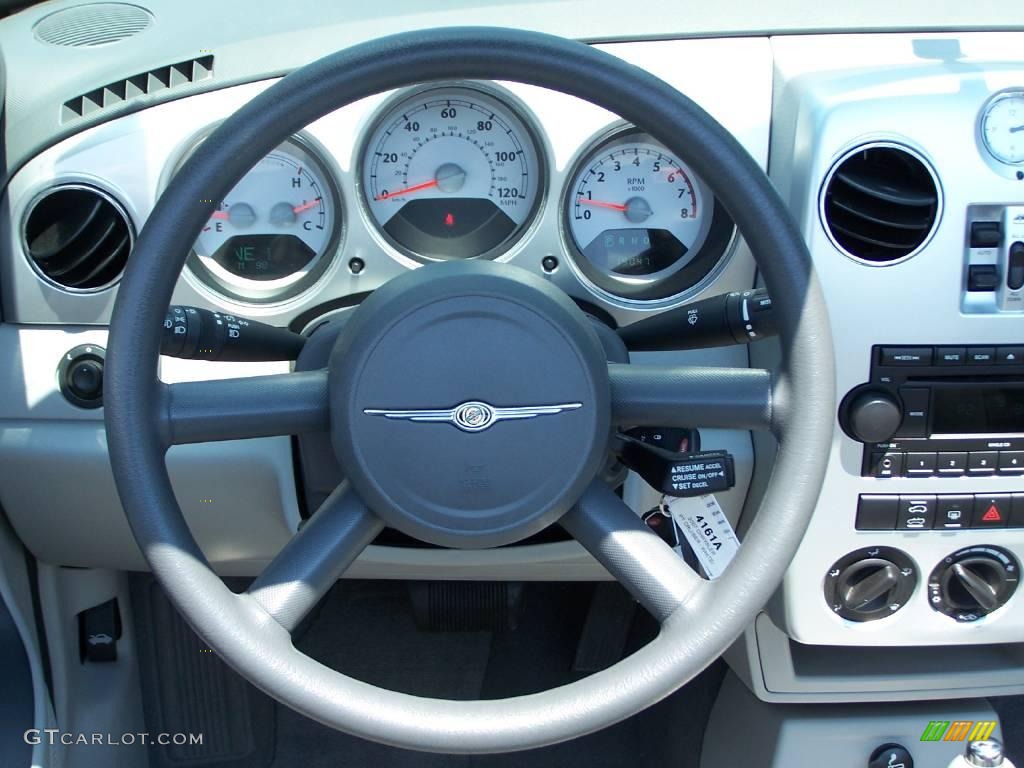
{"points": [[407, 190], [601, 204], [219, 215], [305, 206]]}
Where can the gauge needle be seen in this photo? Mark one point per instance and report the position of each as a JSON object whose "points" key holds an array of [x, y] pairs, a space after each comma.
{"points": [[219, 215], [601, 204], [407, 190], [1017, 129], [305, 206]]}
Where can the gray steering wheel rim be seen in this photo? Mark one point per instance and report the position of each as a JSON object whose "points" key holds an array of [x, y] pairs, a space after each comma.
{"points": [[240, 630]]}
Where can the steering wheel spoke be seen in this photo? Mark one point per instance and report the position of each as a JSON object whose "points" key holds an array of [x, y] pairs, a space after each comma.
{"points": [[682, 396], [255, 406], [310, 564], [634, 554]]}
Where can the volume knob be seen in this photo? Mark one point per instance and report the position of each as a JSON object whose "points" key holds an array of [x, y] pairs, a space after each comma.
{"points": [[874, 416]]}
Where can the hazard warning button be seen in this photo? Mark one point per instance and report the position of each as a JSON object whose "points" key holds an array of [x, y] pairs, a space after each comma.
{"points": [[991, 511]]}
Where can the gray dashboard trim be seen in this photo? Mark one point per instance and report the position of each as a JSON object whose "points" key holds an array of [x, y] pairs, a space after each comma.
{"points": [[245, 52]]}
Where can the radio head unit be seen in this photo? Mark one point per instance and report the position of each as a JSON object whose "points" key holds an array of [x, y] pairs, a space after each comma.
{"points": [[946, 410]]}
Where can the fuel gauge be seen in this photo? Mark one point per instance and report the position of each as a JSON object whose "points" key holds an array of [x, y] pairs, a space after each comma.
{"points": [[275, 229]]}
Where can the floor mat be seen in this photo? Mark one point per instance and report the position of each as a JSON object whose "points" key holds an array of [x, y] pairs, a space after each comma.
{"points": [[365, 629], [186, 688]]}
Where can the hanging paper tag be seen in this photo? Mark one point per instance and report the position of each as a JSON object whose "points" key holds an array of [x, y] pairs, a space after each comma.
{"points": [[707, 531]]}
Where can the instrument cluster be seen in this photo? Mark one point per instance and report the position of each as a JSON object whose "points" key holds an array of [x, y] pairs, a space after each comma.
{"points": [[461, 171]]}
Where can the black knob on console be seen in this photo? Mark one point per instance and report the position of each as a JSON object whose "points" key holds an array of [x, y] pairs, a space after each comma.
{"points": [[85, 379], [973, 582], [873, 416], [80, 375], [870, 584]]}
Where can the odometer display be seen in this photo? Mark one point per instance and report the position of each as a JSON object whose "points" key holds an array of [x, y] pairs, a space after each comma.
{"points": [[643, 224], [451, 173]]}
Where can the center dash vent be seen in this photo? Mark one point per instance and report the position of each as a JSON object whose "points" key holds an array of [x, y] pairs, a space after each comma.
{"points": [[78, 237], [142, 84], [881, 203]]}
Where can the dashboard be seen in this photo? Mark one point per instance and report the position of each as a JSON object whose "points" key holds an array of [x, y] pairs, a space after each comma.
{"points": [[905, 175]]}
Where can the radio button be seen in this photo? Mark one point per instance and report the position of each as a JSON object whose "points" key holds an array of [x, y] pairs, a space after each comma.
{"points": [[982, 462], [1011, 462], [886, 464], [981, 355], [906, 356], [877, 513], [1017, 511], [1010, 355], [991, 511], [954, 512], [915, 513], [950, 356], [952, 463], [915, 412], [920, 464]]}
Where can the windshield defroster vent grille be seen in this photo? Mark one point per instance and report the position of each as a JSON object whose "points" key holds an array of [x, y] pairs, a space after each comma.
{"points": [[93, 24], [881, 203], [78, 237], [145, 83]]}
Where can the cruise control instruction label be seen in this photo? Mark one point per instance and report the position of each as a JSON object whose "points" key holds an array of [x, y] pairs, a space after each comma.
{"points": [[701, 473], [707, 530]]}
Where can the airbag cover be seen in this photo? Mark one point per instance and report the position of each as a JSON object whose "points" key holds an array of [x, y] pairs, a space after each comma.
{"points": [[428, 384]]}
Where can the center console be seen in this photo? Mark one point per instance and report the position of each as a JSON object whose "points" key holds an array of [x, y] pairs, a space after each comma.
{"points": [[917, 233]]}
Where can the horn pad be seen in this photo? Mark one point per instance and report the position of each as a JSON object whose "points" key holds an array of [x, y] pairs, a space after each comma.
{"points": [[470, 403]]}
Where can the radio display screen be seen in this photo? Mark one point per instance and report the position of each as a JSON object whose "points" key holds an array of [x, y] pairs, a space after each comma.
{"points": [[977, 410]]}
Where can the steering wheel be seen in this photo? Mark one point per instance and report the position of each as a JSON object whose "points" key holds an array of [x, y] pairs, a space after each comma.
{"points": [[523, 408]]}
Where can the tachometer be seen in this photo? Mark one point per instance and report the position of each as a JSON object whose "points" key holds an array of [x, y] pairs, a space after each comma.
{"points": [[644, 226], [451, 173], [268, 237]]}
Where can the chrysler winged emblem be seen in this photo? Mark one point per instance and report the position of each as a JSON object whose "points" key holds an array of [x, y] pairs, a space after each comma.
{"points": [[475, 416]]}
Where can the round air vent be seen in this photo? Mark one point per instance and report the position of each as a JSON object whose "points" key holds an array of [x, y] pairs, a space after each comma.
{"points": [[86, 26], [78, 237], [881, 203]]}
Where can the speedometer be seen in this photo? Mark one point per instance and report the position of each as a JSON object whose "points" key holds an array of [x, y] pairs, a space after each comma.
{"points": [[451, 173], [643, 224]]}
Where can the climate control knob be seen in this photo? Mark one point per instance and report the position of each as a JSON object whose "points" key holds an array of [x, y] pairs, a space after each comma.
{"points": [[870, 583], [973, 582], [873, 416]]}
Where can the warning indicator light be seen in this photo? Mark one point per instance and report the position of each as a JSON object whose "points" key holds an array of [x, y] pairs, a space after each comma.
{"points": [[449, 220], [992, 515]]}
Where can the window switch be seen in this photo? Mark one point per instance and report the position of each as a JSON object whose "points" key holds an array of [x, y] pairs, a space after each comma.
{"points": [[982, 277], [986, 234]]}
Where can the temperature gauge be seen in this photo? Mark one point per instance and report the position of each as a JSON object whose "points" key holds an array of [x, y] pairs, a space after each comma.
{"points": [[268, 238]]}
